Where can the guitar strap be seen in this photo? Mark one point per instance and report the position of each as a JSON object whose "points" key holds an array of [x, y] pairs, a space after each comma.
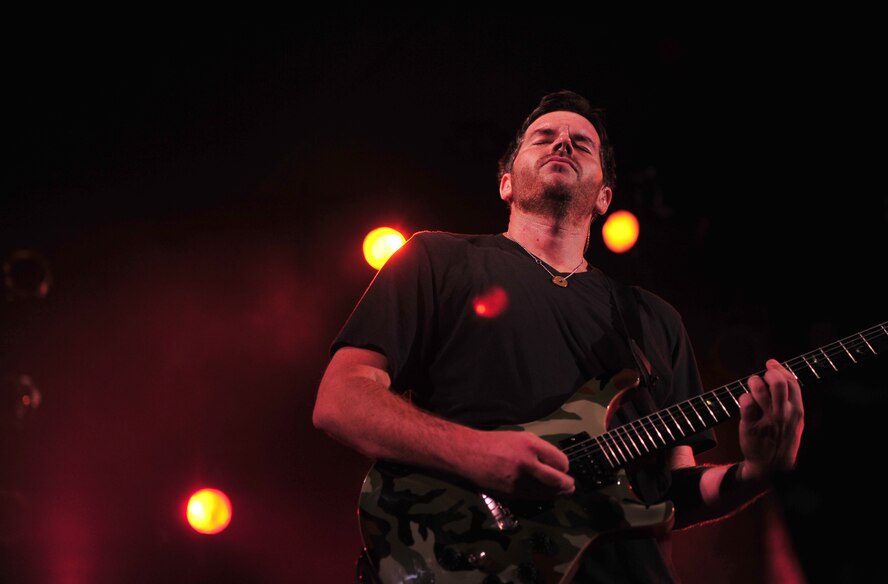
{"points": [[651, 481], [629, 326]]}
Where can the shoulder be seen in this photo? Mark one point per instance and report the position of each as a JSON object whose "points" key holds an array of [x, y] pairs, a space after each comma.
{"points": [[439, 252], [445, 239], [659, 315], [442, 243], [655, 305]]}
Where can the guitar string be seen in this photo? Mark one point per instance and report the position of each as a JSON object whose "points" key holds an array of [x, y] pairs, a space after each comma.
{"points": [[689, 411], [644, 435], [648, 423], [838, 349]]}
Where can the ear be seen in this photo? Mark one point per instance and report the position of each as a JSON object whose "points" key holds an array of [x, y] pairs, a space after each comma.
{"points": [[506, 188], [603, 201]]}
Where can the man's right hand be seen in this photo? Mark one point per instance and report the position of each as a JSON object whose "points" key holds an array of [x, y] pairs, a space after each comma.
{"points": [[518, 464], [355, 406]]}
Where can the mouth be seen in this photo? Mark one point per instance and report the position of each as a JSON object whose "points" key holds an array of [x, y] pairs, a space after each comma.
{"points": [[562, 160]]}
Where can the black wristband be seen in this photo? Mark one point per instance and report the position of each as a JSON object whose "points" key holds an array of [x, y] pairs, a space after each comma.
{"points": [[731, 480], [685, 489]]}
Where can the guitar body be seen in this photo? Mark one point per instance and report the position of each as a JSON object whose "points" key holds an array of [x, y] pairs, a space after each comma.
{"points": [[422, 526]]}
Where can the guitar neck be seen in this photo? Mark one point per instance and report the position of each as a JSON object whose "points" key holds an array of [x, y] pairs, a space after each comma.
{"points": [[666, 427]]}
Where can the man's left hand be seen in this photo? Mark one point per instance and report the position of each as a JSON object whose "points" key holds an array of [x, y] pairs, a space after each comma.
{"points": [[772, 417]]}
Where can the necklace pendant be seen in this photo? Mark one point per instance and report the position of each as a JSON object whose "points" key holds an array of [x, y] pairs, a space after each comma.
{"points": [[560, 281]]}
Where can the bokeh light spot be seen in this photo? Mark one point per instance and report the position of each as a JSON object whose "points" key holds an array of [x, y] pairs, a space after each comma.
{"points": [[26, 274], [380, 244], [492, 303], [209, 511], [620, 231]]}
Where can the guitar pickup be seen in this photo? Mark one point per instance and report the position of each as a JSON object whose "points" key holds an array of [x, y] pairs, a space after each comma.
{"points": [[586, 462]]}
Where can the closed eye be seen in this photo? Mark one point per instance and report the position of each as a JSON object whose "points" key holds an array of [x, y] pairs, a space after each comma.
{"points": [[543, 136], [584, 144]]}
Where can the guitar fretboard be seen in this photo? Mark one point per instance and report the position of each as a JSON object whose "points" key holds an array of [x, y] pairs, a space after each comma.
{"points": [[666, 427]]}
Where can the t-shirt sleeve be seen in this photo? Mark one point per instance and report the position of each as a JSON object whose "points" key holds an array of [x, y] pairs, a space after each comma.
{"points": [[395, 314]]}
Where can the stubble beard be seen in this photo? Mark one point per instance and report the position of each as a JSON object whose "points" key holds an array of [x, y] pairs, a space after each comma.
{"points": [[557, 201]]}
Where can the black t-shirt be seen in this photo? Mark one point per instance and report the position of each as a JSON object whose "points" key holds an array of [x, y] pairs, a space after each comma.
{"points": [[477, 332]]}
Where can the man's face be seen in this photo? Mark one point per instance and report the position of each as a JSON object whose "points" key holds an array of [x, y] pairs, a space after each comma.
{"points": [[557, 169]]}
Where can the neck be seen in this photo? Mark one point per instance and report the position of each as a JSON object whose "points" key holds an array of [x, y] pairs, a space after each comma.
{"points": [[559, 244]]}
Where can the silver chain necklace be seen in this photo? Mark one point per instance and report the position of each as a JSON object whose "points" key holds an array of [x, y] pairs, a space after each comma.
{"points": [[558, 280]]}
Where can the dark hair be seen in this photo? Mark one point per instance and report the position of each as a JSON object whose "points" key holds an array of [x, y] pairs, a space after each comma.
{"points": [[571, 102]]}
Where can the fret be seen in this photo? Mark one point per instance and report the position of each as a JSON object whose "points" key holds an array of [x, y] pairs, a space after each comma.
{"points": [[639, 436], [654, 426], [626, 432], [850, 356], [666, 426], [651, 438], [691, 403], [687, 420], [620, 450], [733, 397], [727, 413], [867, 344], [610, 446], [828, 360], [604, 452], [677, 425], [706, 403], [788, 368], [632, 426], [809, 367]]}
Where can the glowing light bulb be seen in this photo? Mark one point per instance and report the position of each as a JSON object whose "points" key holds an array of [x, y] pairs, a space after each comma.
{"points": [[209, 511], [380, 244], [620, 231]]}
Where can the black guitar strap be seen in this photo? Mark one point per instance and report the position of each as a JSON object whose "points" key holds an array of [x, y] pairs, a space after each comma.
{"points": [[650, 481], [629, 326]]}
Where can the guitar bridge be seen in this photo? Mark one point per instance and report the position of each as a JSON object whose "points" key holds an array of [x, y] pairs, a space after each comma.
{"points": [[505, 521]]}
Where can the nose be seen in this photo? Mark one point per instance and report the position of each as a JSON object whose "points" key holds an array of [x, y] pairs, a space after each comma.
{"points": [[562, 141]]}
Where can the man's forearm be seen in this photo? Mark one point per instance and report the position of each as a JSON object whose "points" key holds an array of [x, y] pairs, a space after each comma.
{"points": [[708, 493], [369, 418]]}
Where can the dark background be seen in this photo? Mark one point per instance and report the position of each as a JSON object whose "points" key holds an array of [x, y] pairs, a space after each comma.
{"points": [[201, 192]]}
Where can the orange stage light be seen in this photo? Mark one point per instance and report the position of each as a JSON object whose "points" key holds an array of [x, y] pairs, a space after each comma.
{"points": [[620, 231], [380, 244], [209, 511]]}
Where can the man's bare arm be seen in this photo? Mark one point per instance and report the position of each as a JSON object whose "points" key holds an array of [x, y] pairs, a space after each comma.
{"points": [[356, 406]]}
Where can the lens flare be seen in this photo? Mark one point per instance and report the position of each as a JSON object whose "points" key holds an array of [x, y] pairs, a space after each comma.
{"points": [[209, 511], [620, 231], [380, 244], [492, 303]]}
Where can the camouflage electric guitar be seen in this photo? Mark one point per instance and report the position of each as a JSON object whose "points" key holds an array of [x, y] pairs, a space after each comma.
{"points": [[420, 526]]}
